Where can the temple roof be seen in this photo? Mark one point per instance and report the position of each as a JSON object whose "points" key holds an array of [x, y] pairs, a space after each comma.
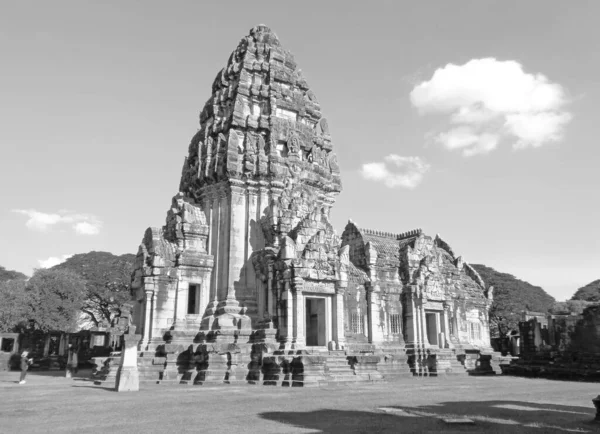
{"points": [[262, 122], [386, 244], [356, 274]]}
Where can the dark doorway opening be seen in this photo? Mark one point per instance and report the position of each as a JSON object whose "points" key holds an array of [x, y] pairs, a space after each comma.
{"points": [[315, 322], [432, 328], [193, 300]]}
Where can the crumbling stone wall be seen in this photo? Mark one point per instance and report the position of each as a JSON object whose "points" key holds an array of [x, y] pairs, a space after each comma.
{"points": [[569, 347]]}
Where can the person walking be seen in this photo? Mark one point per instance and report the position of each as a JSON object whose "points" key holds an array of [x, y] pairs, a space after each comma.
{"points": [[25, 362]]}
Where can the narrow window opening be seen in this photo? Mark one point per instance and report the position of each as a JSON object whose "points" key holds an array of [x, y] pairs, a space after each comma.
{"points": [[395, 323], [357, 323], [192, 300]]}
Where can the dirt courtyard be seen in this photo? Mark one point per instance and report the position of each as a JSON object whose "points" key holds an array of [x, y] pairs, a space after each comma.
{"points": [[48, 402]]}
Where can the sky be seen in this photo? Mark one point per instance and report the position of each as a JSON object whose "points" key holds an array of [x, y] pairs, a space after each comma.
{"points": [[476, 120]]}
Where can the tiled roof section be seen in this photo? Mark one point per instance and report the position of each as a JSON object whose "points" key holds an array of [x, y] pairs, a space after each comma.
{"points": [[405, 242], [386, 244], [356, 275]]}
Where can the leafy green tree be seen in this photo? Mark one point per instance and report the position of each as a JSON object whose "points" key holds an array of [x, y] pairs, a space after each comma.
{"points": [[14, 306], [571, 306], [589, 292], [6, 275], [511, 297], [55, 299], [107, 282]]}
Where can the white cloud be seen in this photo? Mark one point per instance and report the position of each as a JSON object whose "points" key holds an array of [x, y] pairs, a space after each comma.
{"points": [[397, 171], [489, 101], [85, 228], [53, 260], [82, 224]]}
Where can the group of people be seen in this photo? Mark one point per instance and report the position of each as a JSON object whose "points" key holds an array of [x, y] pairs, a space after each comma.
{"points": [[72, 363]]}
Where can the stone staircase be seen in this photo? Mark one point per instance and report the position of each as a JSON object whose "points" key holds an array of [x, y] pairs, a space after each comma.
{"points": [[171, 363], [447, 363], [338, 369], [394, 366]]}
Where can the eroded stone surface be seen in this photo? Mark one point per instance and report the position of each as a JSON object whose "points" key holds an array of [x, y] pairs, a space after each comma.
{"points": [[248, 280], [559, 345]]}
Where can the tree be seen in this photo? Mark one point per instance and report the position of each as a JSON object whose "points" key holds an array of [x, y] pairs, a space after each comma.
{"points": [[14, 306], [6, 275], [571, 306], [589, 292], [55, 299], [107, 282], [511, 297]]}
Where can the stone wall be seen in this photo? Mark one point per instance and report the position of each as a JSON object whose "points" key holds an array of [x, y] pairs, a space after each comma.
{"points": [[248, 246], [568, 347]]}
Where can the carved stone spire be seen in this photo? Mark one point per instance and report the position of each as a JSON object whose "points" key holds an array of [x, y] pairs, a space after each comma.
{"points": [[261, 122]]}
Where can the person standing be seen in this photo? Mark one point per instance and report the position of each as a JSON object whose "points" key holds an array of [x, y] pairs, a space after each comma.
{"points": [[25, 362], [72, 361], [75, 360]]}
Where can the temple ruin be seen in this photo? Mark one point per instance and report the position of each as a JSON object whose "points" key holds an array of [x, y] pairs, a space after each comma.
{"points": [[249, 281]]}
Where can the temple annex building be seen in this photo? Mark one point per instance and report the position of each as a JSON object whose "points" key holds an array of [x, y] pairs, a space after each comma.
{"points": [[248, 280]]}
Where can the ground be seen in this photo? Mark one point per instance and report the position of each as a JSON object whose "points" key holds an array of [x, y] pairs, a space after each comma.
{"points": [[48, 402]]}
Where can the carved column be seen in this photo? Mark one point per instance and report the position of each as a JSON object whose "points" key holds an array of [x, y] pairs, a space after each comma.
{"points": [[289, 311], [373, 308], [412, 332], [338, 315], [447, 344], [181, 301], [417, 314], [276, 191], [214, 250], [425, 338], [224, 247], [299, 316], [263, 204], [147, 319], [237, 239], [270, 290], [253, 286]]}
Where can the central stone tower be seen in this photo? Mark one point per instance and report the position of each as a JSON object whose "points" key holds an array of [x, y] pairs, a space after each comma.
{"points": [[261, 162], [260, 166], [248, 279]]}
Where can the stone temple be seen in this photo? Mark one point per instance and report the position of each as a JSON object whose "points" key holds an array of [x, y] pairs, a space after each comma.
{"points": [[248, 280]]}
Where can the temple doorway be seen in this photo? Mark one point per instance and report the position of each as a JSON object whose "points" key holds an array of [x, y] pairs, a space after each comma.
{"points": [[316, 331], [432, 327], [193, 299]]}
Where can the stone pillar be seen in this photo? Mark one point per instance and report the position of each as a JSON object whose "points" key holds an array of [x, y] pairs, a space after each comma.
{"points": [[270, 290], [224, 233], [338, 315], [375, 332], [237, 240], [181, 301], [204, 297], [215, 213], [147, 319], [425, 338], [128, 378], [412, 329], [299, 315], [252, 241], [417, 314], [447, 343], [289, 312]]}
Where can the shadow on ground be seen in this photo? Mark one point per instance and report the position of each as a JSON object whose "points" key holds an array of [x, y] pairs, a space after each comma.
{"points": [[82, 373], [488, 416]]}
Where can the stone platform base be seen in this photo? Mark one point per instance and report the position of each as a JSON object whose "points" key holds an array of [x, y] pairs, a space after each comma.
{"points": [[127, 380], [259, 363]]}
